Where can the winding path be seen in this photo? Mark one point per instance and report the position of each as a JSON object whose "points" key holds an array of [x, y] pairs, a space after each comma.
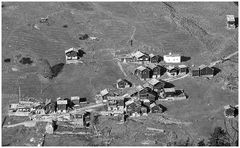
{"points": [[121, 68]]}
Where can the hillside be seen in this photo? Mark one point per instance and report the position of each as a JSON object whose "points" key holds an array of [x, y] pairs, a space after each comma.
{"points": [[196, 30]]}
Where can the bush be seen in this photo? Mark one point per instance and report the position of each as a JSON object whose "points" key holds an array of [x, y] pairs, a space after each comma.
{"points": [[218, 138]]}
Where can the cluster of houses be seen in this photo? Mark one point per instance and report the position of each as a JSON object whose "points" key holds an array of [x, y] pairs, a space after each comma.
{"points": [[203, 71], [138, 100], [156, 71], [134, 100], [143, 58], [34, 110], [151, 68], [126, 106], [24, 108]]}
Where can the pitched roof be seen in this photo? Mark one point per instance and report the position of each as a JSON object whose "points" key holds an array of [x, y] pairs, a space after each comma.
{"points": [[146, 85], [139, 88], [202, 66], [172, 55], [151, 55], [182, 66], [71, 49], [169, 89], [62, 102], [104, 92], [75, 97], [119, 80], [151, 65], [146, 100], [170, 67], [230, 18], [141, 68], [152, 105], [153, 82], [133, 90], [138, 54], [72, 54], [129, 102]]}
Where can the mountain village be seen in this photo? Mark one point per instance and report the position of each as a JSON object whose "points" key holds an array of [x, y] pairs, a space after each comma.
{"points": [[154, 74]]}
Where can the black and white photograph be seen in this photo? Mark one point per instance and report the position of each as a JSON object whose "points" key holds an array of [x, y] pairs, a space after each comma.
{"points": [[124, 73]]}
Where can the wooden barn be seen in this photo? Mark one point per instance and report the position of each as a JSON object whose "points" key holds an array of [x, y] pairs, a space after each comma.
{"points": [[154, 108], [172, 70], [156, 85], [156, 70], [154, 58], [183, 69], [203, 71], [206, 71], [143, 72], [195, 72], [146, 93], [141, 57], [123, 83], [133, 108]]}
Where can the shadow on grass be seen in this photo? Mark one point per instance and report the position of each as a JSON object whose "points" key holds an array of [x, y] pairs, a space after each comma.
{"points": [[56, 69], [163, 107], [236, 21], [81, 53], [168, 85], [163, 71], [216, 71], [184, 58]]}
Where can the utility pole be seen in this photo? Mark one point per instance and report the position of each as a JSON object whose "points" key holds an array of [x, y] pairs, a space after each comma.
{"points": [[138, 95], [19, 94], [19, 91], [41, 90]]}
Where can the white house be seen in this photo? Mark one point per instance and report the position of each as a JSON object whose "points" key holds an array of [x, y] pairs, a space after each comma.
{"points": [[172, 58], [62, 106]]}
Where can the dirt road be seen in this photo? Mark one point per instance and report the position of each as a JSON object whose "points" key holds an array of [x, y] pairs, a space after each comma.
{"points": [[26, 123], [225, 58]]}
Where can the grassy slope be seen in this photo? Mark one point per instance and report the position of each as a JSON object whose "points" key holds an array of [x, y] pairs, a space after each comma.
{"points": [[113, 23]]}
